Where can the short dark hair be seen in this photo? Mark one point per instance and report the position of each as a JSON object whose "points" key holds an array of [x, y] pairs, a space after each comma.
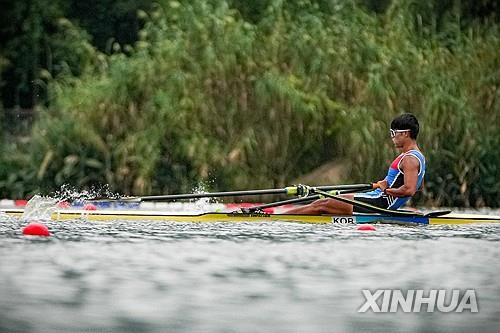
{"points": [[406, 121]]}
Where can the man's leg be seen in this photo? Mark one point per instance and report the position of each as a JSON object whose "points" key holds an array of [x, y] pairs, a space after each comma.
{"points": [[325, 206]]}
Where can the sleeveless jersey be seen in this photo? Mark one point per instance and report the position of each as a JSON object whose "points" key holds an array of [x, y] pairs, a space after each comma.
{"points": [[395, 178]]}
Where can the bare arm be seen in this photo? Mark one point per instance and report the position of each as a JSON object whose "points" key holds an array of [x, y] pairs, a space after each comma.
{"points": [[410, 166]]}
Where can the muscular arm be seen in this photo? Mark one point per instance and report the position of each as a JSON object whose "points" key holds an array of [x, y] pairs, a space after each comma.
{"points": [[410, 166]]}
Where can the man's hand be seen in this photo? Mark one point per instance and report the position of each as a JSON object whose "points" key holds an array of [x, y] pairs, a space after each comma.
{"points": [[382, 185]]}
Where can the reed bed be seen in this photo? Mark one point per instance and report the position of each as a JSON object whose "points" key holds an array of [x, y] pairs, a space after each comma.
{"points": [[209, 96]]}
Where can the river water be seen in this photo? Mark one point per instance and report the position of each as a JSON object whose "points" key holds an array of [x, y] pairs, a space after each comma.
{"points": [[243, 277]]}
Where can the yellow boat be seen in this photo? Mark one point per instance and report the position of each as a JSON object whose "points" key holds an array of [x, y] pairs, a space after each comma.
{"points": [[138, 215]]}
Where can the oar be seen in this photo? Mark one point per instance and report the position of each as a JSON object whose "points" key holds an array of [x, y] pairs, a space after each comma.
{"points": [[365, 205], [294, 201], [300, 190]]}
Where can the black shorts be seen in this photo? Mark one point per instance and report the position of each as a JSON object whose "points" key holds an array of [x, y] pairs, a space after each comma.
{"points": [[381, 202]]}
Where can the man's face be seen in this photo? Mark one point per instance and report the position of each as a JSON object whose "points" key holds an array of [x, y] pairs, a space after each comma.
{"points": [[399, 139]]}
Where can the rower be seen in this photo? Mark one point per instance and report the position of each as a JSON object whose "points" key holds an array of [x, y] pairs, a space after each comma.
{"points": [[404, 177]]}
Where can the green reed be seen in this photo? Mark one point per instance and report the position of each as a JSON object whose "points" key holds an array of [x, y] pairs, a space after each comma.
{"points": [[206, 96]]}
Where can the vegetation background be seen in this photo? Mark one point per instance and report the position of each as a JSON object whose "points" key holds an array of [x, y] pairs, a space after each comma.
{"points": [[158, 96]]}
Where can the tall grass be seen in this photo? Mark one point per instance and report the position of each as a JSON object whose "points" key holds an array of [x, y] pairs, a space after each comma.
{"points": [[208, 96]]}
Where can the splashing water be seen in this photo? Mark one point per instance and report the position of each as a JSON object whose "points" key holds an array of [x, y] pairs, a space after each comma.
{"points": [[68, 193], [203, 204], [39, 208], [6, 217]]}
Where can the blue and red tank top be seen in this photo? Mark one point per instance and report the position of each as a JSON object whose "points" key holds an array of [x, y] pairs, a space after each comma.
{"points": [[395, 179]]}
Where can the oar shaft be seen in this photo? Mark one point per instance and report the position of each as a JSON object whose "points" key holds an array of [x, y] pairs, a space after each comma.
{"points": [[285, 202], [297, 200], [210, 195], [291, 190], [365, 205]]}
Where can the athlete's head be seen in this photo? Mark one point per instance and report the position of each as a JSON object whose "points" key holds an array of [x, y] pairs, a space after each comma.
{"points": [[405, 123]]}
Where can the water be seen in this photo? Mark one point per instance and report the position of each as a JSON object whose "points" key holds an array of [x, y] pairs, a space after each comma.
{"points": [[243, 277]]}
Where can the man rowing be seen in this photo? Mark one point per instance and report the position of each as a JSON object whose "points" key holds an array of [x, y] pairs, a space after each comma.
{"points": [[404, 177]]}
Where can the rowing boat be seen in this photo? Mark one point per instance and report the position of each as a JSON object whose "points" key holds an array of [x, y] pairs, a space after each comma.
{"points": [[137, 215]]}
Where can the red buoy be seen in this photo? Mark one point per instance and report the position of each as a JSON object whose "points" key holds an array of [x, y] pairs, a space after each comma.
{"points": [[366, 227], [36, 229], [90, 206], [20, 203], [63, 204]]}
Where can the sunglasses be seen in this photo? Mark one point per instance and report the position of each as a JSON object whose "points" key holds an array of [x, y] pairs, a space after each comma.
{"points": [[393, 132]]}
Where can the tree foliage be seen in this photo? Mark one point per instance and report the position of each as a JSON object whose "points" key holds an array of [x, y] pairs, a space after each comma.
{"points": [[253, 94]]}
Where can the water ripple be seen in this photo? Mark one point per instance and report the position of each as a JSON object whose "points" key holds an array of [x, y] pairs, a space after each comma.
{"points": [[133, 276]]}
